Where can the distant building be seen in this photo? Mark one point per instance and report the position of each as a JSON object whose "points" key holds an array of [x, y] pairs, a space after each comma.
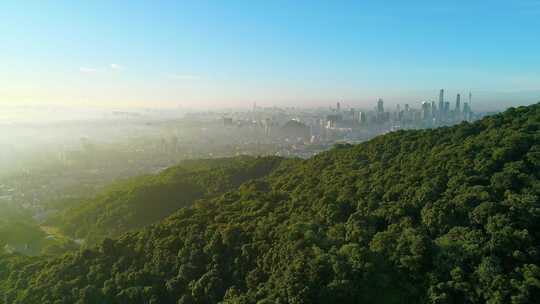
{"points": [[381, 116], [441, 103], [267, 124], [333, 119], [446, 108], [426, 111], [295, 130], [458, 103], [380, 106], [467, 113], [352, 115], [362, 118], [227, 121]]}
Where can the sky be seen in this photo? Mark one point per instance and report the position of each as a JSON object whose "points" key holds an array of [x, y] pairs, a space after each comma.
{"points": [[215, 54]]}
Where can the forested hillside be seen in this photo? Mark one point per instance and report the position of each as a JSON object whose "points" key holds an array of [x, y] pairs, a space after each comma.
{"points": [[450, 215], [20, 233], [138, 202]]}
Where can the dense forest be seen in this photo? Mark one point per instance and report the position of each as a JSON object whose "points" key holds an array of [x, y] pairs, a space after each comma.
{"points": [[137, 202], [449, 215]]}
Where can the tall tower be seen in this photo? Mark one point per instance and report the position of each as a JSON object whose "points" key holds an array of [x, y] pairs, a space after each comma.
{"points": [[426, 110], [466, 111], [441, 103], [338, 106], [458, 104]]}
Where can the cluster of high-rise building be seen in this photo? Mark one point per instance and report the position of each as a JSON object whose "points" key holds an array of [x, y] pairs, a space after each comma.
{"points": [[344, 123], [443, 113], [430, 114]]}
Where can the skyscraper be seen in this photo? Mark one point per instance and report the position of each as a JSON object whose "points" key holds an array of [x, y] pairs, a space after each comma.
{"points": [[362, 118], [441, 103], [338, 106], [465, 111], [458, 104], [380, 106], [426, 111]]}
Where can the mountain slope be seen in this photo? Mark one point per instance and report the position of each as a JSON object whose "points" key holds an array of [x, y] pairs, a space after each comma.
{"points": [[138, 202], [450, 215]]}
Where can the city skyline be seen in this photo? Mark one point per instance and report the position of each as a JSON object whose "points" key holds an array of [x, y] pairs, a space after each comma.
{"points": [[211, 54]]}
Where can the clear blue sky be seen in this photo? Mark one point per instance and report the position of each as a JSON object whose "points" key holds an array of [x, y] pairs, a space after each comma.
{"points": [[234, 53]]}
